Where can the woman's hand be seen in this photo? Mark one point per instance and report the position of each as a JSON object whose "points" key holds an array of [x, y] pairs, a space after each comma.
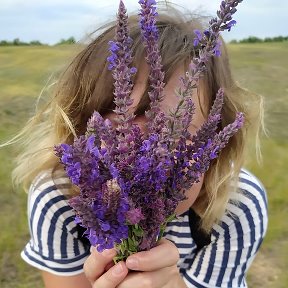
{"points": [[156, 268], [100, 270]]}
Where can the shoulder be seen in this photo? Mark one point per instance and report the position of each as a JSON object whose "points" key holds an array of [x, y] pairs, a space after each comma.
{"points": [[246, 214], [48, 194], [48, 203], [55, 245], [249, 186], [235, 240], [248, 205]]}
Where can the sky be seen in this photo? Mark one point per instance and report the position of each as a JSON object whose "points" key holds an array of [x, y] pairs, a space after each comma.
{"points": [[51, 20]]}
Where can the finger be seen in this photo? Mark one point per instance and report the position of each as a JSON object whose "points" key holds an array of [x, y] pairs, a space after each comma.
{"points": [[96, 263], [108, 266], [157, 278], [113, 277], [165, 254]]}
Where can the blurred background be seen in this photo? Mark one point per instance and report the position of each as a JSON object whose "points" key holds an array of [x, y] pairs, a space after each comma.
{"points": [[37, 41]]}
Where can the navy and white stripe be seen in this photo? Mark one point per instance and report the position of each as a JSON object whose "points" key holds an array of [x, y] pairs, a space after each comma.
{"points": [[55, 246], [234, 241]]}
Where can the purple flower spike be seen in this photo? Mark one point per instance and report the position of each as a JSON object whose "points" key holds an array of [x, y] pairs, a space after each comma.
{"points": [[210, 46], [156, 118], [120, 61]]}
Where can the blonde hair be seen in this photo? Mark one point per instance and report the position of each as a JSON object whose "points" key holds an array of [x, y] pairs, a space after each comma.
{"points": [[87, 85]]}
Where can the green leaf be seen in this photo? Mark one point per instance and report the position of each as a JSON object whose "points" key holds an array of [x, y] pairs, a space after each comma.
{"points": [[138, 233], [137, 230], [170, 218]]}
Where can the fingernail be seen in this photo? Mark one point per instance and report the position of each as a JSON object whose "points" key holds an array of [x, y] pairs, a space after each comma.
{"points": [[132, 262], [108, 252], [118, 269]]}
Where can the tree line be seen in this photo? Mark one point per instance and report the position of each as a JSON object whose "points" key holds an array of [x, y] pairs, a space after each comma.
{"points": [[253, 39], [71, 40], [18, 42]]}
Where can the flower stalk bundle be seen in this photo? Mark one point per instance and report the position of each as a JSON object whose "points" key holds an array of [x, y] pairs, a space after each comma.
{"points": [[130, 183]]}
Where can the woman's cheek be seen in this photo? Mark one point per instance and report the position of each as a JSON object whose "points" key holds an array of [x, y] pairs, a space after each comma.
{"points": [[191, 195]]}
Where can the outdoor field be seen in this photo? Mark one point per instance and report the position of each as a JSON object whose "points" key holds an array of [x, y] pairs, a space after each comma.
{"points": [[262, 68]]}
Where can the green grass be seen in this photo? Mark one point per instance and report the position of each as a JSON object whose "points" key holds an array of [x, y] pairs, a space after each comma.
{"points": [[262, 68], [24, 72]]}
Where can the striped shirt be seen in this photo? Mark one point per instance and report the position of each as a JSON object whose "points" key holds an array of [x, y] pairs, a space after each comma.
{"points": [[55, 245]]}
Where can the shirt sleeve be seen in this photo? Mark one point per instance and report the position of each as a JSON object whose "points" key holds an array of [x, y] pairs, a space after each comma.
{"points": [[234, 242], [54, 245]]}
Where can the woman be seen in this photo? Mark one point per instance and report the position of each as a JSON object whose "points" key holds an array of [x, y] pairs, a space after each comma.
{"points": [[219, 227]]}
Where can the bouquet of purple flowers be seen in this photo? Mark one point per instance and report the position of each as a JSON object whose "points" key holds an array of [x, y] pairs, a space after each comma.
{"points": [[131, 182]]}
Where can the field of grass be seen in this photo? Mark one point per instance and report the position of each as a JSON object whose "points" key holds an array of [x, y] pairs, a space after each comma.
{"points": [[262, 68]]}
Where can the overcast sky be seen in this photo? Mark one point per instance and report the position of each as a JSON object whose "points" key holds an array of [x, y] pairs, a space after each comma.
{"points": [[51, 20]]}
